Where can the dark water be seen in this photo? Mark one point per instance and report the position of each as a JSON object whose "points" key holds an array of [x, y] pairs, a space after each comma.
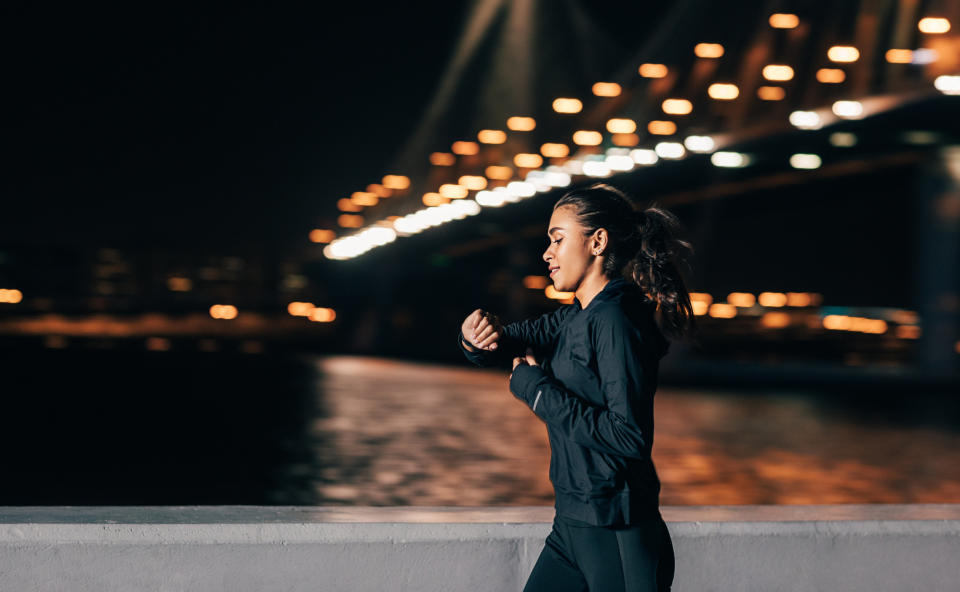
{"points": [[119, 428]]}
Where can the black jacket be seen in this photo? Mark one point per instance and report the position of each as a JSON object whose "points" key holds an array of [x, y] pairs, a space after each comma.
{"points": [[594, 389]]}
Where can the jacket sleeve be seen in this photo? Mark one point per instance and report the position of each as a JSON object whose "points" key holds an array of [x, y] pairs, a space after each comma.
{"points": [[538, 333], [613, 428]]}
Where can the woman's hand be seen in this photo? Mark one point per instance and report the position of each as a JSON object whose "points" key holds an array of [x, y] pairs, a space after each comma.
{"points": [[482, 329], [528, 359]]}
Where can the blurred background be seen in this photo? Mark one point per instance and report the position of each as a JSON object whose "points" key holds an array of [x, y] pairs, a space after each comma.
{"points": [[236, 245]]}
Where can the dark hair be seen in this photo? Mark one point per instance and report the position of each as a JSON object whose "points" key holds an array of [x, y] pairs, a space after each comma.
{"points": [[644, 246]]}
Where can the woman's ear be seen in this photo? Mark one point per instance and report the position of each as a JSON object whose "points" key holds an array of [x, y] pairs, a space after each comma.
{"points": [[599, 241]]}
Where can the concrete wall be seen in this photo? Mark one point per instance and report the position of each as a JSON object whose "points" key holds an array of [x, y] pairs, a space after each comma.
{"points": [[240, 548]]}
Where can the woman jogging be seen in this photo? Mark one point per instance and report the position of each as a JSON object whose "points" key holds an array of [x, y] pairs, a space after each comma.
{"points": [[594, 384]]}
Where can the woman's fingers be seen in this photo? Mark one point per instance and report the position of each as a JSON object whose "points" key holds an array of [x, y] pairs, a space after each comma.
{"points": [[483, 329], [487, 336]]}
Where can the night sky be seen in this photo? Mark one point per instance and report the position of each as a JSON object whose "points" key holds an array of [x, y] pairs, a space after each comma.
{"points": [[224, 126], [231, 125]]}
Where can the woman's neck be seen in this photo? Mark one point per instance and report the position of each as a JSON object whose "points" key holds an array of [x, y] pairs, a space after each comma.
{"points": [[589, 288]]}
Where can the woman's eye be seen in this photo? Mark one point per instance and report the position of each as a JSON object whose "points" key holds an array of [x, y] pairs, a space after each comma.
{"points": [[557, 240]]}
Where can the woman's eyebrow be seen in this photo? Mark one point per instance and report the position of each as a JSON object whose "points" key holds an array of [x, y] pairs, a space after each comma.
{"points": [[550, 232]]}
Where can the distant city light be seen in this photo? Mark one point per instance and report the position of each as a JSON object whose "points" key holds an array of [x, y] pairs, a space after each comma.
{"points": [[619, 162], [536, 282], [728, 160], [843, 54], [362, 242], [521, 124], [644, 156], [465, 148], [350, 221], [11, 296], [771, 93], [699, 308], [677, 106], [379, 190], [499, 172], [472, 182], [442, 159], [653, 70], [708, 50], [587, 138], [662, 128], [566, 105], [552, 150], [723, 91], [627, 140], [398, 182], [701, 297], [528, 161], [300, 309], [670, 150], [925, 56], [596, 168], [803, 299], [364, 198], [433, 199], [775, 320], [322, 315], [831, 75], [843, 139], [857, 324], [453, 191], [174, 284], [899, 56], [848, 109], [489, 136], [948, 85], [621, 126], [520, 189], [346, 205], [701, 144], [908, 332], [557, 177], [573, 166], [805, 120], [772, 299], [805, 161], [741, 299], [777, 72], [784, 21], [606, 89], [933, 25], [490, 199], [223, 311], [719, 310], [554, 294]]}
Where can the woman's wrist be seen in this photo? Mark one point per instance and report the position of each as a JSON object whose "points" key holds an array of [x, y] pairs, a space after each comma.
{"points": [[466, 344]]}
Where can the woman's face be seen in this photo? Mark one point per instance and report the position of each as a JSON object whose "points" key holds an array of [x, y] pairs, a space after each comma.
{"points": [[568, 254]]}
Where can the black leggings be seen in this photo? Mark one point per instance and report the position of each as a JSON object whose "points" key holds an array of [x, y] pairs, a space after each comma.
{"points": [[579, 557]]}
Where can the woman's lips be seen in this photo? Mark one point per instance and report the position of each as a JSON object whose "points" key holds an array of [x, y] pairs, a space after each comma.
{"points": [[554, 271]]}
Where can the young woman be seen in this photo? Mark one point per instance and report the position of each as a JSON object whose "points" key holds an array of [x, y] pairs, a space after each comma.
{"points": [[594, 386]]}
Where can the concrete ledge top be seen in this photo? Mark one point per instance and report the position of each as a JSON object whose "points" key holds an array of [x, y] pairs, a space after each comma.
{"points": [[453, 514]]}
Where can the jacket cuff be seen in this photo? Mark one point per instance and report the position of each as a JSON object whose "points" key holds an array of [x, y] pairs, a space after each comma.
{"points": [[523, 382], [477, 356]]}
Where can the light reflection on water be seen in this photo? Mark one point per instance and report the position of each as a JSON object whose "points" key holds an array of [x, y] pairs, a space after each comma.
{"points": [[401, 433]]}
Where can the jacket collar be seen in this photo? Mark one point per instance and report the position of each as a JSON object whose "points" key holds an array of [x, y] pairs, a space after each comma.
{"points": [[612, 287]]}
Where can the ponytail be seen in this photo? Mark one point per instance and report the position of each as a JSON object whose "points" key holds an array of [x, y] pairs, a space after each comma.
{"points": [[655, 265], [645, 247]]}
